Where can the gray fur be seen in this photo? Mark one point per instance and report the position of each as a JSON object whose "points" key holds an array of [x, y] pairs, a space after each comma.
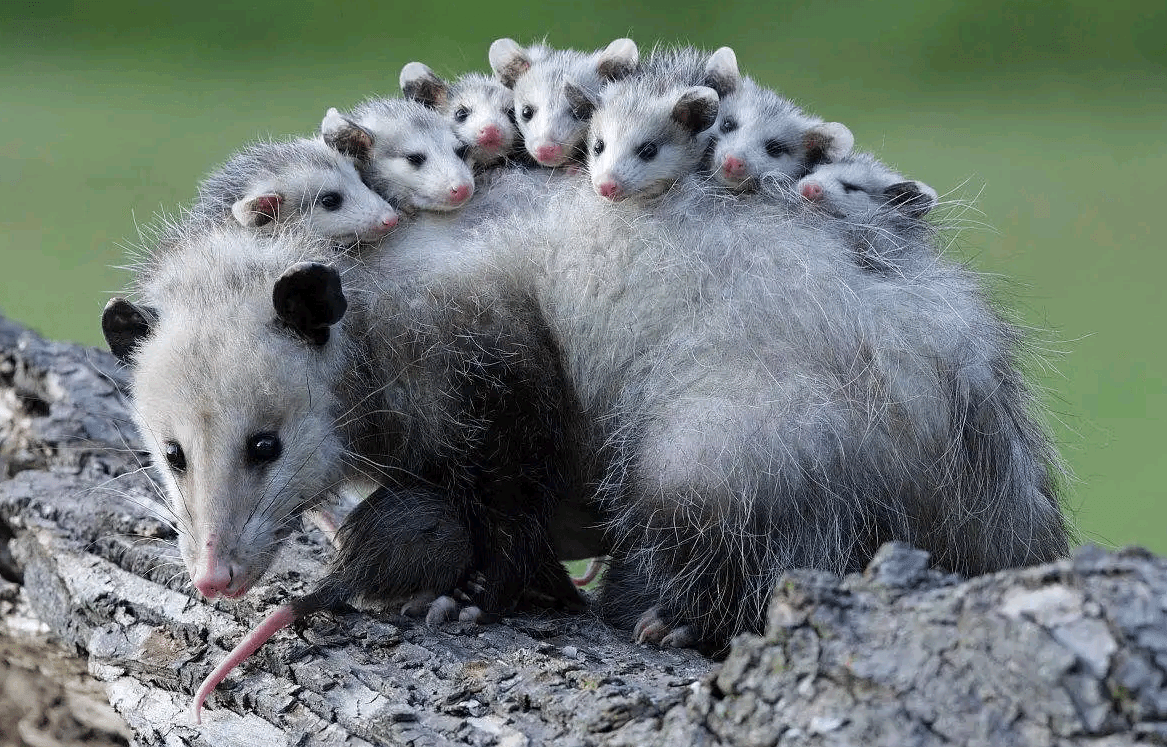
{"points": [[538, 75], [297, 173], [405, 151]]}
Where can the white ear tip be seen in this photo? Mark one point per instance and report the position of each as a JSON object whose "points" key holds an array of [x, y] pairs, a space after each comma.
{"points": [[623, 47], [724, 57], [501, 50], [332, 121], [415, 70], [842, 141]]}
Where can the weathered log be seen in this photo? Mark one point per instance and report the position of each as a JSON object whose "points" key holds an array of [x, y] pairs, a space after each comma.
{"points": [[1070, 653]]}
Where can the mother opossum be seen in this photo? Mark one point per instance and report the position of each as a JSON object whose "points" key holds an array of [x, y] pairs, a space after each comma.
{"points": [[739, 396]]}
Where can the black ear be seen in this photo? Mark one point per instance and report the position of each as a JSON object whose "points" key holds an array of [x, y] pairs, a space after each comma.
{"points": [[696, 110], [125, 326], [422, 85], [911, 198], [308, 298], [346, 136], [581, 103]]}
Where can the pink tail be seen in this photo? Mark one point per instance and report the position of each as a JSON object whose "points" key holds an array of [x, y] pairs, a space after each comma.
{"points": [[280, 618], [595, 565]]}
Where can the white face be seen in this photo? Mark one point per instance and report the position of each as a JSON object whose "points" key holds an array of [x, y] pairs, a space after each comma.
{"points": [[858, 190], [421, 167], [481, 113], [754, 142], [334, 202], [552, 132], [241, 435]]}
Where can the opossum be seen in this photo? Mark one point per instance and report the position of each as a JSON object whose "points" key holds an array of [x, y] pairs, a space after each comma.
{"points": [[261, 380], [270, 182], [650, 129], [553, 129], [480, 109], [760, 133], [883, 211], [407, 153]]}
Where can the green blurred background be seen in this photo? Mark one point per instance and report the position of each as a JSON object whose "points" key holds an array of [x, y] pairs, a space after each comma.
{"points": [[1052, 115]]}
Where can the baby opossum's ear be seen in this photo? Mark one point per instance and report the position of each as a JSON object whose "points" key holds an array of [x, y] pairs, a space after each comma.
{"points": [[618, 60], [721, 72], [125, 326], [308, 298], [696, 109], [422, 85], [911, 198], [579, 99], [346, 136], [828, 141], [508, 61], [257, 210]]}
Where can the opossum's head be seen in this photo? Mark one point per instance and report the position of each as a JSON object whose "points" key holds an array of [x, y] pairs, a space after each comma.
{"points": [[642, 139], [553, 128], [323, 191], [480, 109], [407, 153], [762, 134], [235, 402], [861, 186]]}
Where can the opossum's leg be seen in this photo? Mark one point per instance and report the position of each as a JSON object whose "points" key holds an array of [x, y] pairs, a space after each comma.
{"points": [[329, 515]]}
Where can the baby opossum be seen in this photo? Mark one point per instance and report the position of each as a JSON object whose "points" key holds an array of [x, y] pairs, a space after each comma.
{"points": [[407, 153], [267, 183], [760, 133], [553, 129], [649, 129], [480, 109], [881, 210]]}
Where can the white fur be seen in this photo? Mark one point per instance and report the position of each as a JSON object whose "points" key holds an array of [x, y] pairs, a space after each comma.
{"points": [[854, 188]]}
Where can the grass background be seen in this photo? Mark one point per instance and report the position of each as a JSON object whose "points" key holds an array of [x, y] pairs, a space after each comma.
{"points": [[1053, 115]]}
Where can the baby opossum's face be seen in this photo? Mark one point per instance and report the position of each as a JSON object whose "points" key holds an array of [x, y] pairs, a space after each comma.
{"points": [[554, 129], [242, 435], [640, 144], [861, 189], [482, 112], [425, 168], [332, 202], [761, 134]]}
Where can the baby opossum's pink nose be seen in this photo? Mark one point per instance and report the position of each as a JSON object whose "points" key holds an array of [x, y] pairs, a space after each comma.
{"points": [[733, 167], [389, 220], [549, 154], [460, 193], [609, 189], [490, 136], [812, 191]]}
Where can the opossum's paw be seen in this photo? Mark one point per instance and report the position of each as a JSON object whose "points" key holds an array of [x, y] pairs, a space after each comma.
{"points": [[652, 627], [445, 608], [442, 609]]}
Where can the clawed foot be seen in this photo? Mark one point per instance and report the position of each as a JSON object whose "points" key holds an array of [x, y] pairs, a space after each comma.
{"points": [[653, 628], [454, 605]]}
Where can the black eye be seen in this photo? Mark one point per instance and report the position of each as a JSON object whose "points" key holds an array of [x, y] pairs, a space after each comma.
{"points": [[263, 447], [849, 187], [647, 151], [461, 113], [416, 159], [528, 112], [462, 151], [729, 124], [598, 147], [776, 148], [331, 201], [174, 456]]}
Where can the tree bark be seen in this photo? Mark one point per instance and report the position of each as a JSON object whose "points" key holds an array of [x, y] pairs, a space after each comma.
{"points": [[1070, 653]]}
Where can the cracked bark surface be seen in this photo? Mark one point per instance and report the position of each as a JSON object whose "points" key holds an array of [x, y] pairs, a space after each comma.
{"points": [[1071, 653]]}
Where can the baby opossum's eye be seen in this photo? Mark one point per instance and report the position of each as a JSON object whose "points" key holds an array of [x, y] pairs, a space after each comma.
{"points": [[416, 159], [331, 201], [263, 447], [460, 114], [462, 151], [598, 147], [528, 112], [776, 148], [729, 124], [647, 151], [849, 187], [174, 456]]}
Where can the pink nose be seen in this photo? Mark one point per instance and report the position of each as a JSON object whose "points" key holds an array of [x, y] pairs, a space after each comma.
{"points": [[549, 154], [460, 193], [733, 167], [811, 191], [389, 220], [214, 578], [490, 136], [609, 189]]}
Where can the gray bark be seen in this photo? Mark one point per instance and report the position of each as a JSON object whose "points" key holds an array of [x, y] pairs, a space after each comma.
{"points": [[1069, 653]]}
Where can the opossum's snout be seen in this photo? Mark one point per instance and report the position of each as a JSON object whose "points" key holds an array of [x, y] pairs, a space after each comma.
{"points": [[549, 154], [812, 191], [489, 136], [734, 168], [609, 189], [460, 193], [215, 576]]}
